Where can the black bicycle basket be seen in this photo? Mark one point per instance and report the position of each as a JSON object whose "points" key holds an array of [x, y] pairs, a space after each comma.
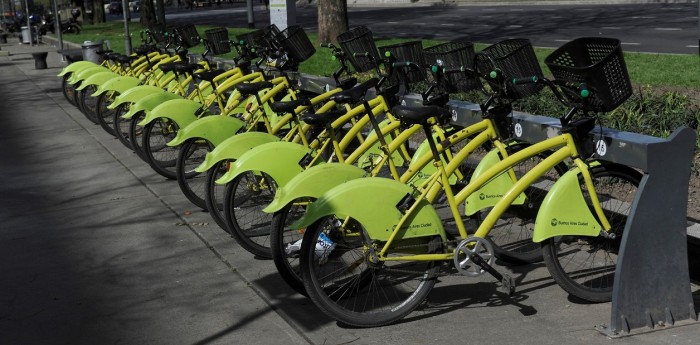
{"points": [[599, 63], [359, 41], [296, 43], [515, 58], [407, 52], [218, 41], [453, 55], [189, 35]]}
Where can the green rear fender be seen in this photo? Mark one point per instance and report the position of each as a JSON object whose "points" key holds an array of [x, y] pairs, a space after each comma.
{"points": [[280, 160], [97, 79], [215, 129], [150, 102], [181, 111], [369, 157], [85, 73], [234, 147], [372, 202], [490, 193], [313, 182], [564, 211], [119, 84], [134, 94], [77, 66], [427, 170]]}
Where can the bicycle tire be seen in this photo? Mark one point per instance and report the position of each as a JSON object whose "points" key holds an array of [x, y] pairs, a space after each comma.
{"points": [[88, 104], [283, 237], [68, 90], [105, 117], [511, 236], [584, 266], [136, 133], [192, 183], [121, 125], [159, 156], [215, 194], [345, 285], [244, 200]]}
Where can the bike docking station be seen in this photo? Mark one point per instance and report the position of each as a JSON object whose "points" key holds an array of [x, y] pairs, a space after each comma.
{"points": [[652, 288]]}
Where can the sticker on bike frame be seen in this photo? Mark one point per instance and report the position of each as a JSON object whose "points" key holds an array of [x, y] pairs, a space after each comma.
{"points": [[518, 130], [601, 148]]}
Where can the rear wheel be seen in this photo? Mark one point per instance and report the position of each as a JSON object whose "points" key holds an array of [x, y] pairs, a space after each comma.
{"points": [[121, 125], [136, 134], [345, 283], [68, 90], [193, 184], [160, 156], [584, 266], [245, 198], [511, 236]]}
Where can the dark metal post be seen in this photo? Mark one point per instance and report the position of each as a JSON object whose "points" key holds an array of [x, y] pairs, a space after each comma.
{"points": [[127, 36], [57, 25], [251, 17]]}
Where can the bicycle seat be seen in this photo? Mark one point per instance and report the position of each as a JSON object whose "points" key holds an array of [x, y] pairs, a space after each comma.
{"points": [[179, 67], [289, 106], [208, 75], [253, 88], [355, 94], [142, 50], [103, 52], [123, 59], [347, 83], [419, 115], [323, 119]]}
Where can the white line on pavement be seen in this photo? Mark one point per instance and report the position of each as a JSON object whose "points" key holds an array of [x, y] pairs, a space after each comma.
{"points": [[668, 29]]}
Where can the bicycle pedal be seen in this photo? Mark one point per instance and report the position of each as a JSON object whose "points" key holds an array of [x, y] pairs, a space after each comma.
{"points": [[507, 285]]}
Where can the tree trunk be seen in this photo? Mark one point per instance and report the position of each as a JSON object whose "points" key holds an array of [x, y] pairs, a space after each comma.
{"points": [[148, 14], [332, 19], [98, 12]]}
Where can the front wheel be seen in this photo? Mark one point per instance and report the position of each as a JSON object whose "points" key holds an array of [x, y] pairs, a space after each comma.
{"points": [[88, 104], [215, 193], [192, 183], [105, 116], [160, 156], [584, 266], [285, 243], [244, 200], [345, 282]]}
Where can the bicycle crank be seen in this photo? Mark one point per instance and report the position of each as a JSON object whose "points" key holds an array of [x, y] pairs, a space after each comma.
{"points": [[474, 256]]}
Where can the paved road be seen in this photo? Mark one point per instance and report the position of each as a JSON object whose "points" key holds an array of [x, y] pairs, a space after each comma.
{"points": [[658, 28]]}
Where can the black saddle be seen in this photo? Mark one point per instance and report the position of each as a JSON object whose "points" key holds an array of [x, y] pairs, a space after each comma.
{"points": [[289, 106], [355, 94], [420, 114], [323, 119], [209, 75], [253, 88]]}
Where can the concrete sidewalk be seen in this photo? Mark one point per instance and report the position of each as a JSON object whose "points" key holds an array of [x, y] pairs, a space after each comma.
{"points": [[97, 248]]}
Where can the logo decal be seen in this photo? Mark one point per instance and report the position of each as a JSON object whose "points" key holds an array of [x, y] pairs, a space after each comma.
{"points": [[601, 148], [518, 130], [454, 115]]}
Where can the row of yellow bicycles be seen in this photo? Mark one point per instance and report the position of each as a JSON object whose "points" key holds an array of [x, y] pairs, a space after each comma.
{"points": [[362, 195]]}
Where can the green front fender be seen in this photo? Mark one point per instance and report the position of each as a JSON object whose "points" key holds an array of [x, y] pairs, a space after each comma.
{"points": [[134, 94], [372, 202], [148, 103], [181, 111], [76, 67], [490, 193], [215, 129], [280, 160], [119, 84], [564, 211], [234, 147], [313, 182], [97, 79], [85, 73]]}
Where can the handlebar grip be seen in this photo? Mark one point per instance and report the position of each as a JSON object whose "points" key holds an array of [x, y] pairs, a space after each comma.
{"points": [[525, 80], [583, 90], [326, 45], [402, 64], [360, 54]]}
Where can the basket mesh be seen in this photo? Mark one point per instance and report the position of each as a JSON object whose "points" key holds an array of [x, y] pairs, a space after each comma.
{"points": [[296, 43], [218, 41], [599, 63], [190, 36], [515, 58], [359, 41], [453, 55], [407, 52]]}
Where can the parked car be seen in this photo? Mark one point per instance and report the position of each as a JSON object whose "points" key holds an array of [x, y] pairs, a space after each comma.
{"points": [[115, 7], [134, 6]]}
